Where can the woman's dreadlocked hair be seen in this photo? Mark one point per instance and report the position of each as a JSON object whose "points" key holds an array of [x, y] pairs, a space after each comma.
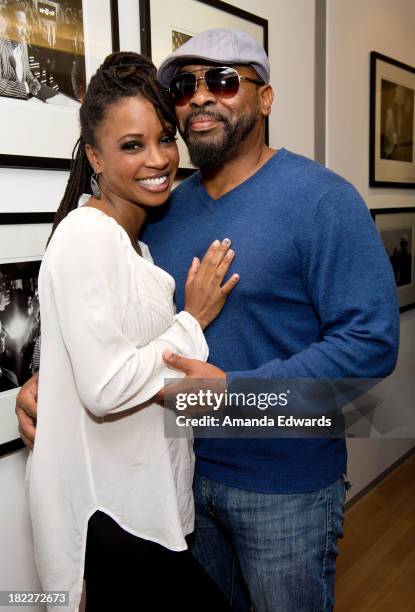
{"points": [[123, 74]]}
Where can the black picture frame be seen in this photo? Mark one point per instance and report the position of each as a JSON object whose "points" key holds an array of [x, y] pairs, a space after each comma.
{"points": [[34, 162], [392, 102], [147, 41], [397, 227], [23, 239]]}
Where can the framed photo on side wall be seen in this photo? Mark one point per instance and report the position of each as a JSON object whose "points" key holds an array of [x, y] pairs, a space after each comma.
{"points": [[397, 230], [23, 238], [167, 25], [392, 123], [48, 52]]}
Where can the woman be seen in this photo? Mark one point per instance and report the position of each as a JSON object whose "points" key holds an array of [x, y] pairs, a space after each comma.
{"points": [[101, 466]]}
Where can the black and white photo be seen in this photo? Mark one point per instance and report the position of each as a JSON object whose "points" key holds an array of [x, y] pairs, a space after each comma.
{"points": [[48, 51], [178, 39], [398, 245], [396, 227], [42, 51], [392, 123], [397, 122], [19, 322], [23, 238]]}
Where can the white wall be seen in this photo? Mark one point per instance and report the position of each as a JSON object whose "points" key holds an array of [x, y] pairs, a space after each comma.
{"points": [[291, 53], [17, 570], [369, 458], [354, 28], [291, 46]]}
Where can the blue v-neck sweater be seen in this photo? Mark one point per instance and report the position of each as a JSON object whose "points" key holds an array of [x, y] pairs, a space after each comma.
{"points": [[316, 298]]}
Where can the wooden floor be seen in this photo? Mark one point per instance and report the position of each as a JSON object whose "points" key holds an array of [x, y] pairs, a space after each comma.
{"points": [[376, 564]]}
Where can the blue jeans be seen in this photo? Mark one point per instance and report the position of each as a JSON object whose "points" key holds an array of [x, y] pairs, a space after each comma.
{"points": [[275, 552]]}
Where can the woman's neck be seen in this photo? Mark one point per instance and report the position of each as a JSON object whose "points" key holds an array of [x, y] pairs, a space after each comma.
{"points": [[129, 215]]}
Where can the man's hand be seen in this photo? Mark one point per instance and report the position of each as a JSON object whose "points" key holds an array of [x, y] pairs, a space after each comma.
{"points": [[192, 368], [199, 377], [26, 410]]}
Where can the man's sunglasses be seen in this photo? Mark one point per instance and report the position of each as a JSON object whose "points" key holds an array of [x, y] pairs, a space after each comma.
{"points": [[222, 82]]}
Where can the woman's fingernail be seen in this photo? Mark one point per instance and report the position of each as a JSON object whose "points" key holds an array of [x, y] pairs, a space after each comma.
{"points": [[226, 242], [236, 276], [215, 243], [230, 254], [167, 354]]}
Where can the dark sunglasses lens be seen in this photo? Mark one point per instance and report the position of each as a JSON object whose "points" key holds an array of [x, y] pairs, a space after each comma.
{"points": [[182, 88], [222, 82]]}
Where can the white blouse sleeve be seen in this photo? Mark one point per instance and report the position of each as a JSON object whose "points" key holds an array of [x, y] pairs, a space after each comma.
{"points": [[89, 276]]}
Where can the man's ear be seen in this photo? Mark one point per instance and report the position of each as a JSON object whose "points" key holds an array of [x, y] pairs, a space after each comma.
{"points": [[267, 96], [93, 158]]}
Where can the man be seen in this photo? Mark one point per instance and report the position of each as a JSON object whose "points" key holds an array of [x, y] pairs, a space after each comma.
{"points": [[16, 78], [316, 299]]}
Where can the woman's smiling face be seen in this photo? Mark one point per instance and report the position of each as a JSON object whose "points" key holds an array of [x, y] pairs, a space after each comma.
{"points": [[136, 156]]}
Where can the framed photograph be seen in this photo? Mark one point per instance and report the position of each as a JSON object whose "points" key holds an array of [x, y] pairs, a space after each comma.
{"points": [[167, 25], [23, 238], [397, 229], [49, 49], [392, 123]]}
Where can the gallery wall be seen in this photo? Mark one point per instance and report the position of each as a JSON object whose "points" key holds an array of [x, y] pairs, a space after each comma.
{"points": [[354, 28], [291, 51]]}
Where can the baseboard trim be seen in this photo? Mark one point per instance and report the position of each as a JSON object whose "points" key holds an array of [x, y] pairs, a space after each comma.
{"points": [[379, 479]]}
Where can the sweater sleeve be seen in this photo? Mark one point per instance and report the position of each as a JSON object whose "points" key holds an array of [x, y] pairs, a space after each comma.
{"points": [[89, 275], [349, 280]]}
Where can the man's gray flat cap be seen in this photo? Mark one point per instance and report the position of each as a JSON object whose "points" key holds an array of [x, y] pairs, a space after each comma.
{"points": [[220, 46]]}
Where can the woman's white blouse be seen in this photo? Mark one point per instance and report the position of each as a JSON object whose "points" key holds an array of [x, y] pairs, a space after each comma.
{"points": [[107, 315]]}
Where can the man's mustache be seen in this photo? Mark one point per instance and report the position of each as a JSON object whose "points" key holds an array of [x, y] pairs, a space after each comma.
{"points": [[205, 113]]}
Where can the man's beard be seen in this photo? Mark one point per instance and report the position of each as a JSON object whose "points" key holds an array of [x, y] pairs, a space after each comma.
{"points": [[210, 154]]}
